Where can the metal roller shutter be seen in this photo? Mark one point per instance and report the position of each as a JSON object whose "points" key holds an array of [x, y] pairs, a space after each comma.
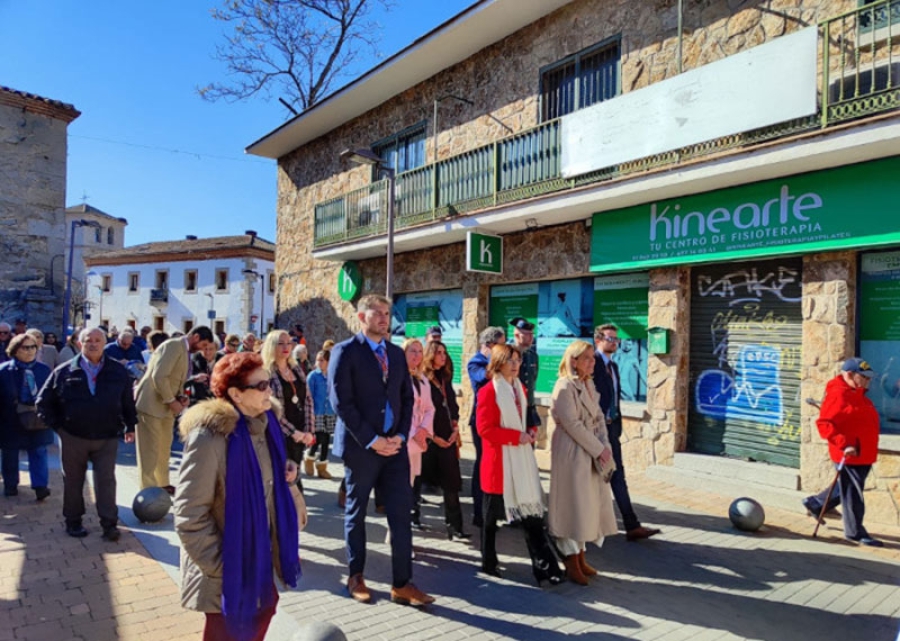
{"points": [[746, 340]]}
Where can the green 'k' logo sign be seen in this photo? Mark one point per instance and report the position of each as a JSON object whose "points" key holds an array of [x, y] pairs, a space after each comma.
{"points": [[484, 253], [348, 281]]}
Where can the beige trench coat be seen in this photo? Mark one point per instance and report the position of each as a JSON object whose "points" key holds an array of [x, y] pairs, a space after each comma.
{"points": [[199, 505], [581, 502]]}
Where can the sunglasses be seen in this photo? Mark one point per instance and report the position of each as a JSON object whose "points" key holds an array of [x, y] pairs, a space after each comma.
{"points": [[262, 386]]}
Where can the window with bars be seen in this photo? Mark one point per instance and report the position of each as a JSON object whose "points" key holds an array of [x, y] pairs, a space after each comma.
{"points": [[403, 151], [581, 80], [879, 16]]}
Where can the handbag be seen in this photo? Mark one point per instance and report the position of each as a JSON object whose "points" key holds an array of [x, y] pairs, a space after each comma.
{"points": [[28, 418]]}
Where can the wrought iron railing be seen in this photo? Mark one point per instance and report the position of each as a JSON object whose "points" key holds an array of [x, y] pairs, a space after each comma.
{"points": [[860, 76]]}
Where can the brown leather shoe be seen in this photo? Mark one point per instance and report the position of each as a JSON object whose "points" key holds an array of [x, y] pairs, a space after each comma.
{"points": [[586, 569], [356, 586], [573, 570], [409, 594], [641, 532]]}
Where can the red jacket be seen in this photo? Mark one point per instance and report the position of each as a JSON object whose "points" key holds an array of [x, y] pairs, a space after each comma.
{"points": [[493, 438], [848, 418]]}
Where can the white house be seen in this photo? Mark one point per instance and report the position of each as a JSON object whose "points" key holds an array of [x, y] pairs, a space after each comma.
{"points": [[175, 285]]}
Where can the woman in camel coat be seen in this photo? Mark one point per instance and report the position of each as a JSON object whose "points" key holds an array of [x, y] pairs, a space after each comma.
{"points": [[581, 502]]}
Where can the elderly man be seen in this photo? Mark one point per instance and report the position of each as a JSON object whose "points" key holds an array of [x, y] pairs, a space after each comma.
{"points": [[160, 398], [46, 354], [477, 369], [249, 343], [523, 336], [849, 422], [230, 346], [124, 349], [88, 402]]}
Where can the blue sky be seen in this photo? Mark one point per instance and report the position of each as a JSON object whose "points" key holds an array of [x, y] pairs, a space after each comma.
{"points": [[146, 147]]}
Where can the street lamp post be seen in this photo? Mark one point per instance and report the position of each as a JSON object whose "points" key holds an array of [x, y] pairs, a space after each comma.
{"points": [[68, 298], [262, 296], [367, 157]]}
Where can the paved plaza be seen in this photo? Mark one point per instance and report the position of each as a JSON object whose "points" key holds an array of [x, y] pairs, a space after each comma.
{"points": [[700, 580]]}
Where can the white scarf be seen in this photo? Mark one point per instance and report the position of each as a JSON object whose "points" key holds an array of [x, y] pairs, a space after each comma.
{"points": [[523, 495]]}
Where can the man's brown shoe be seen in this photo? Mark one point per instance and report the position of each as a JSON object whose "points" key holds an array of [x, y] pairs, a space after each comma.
{"points": [[638, 533], [409, 594], [356, 586]]}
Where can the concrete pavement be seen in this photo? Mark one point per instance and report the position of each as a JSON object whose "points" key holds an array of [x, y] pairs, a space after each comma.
{"points": [[701, 579]]}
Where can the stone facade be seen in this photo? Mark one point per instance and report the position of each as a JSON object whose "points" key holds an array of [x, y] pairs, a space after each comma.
{"points": [[502, 81], [32, 207]]}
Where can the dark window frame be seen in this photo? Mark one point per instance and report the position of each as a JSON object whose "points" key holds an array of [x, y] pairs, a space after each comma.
{"points": [[408, 135], [573, 68]]}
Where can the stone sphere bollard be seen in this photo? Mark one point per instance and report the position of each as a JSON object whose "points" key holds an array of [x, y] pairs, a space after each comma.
{"points": [[318, 631], [746, 514]]}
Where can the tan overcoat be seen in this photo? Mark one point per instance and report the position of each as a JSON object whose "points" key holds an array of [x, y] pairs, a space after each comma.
{"points": [[200, 498], [581, 502], [164, 380]]}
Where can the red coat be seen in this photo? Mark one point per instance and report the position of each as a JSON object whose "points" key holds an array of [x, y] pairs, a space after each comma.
{"points": [[848, 418], [493, 438]]}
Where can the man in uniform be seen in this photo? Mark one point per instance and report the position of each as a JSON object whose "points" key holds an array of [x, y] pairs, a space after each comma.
{"points": [[523, 337]]}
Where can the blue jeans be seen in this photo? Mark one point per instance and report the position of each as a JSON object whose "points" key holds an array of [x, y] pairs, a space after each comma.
{"points": [[37, 467]]}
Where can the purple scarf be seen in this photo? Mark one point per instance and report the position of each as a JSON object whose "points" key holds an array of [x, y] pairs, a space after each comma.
{"points": [[247, 573]]}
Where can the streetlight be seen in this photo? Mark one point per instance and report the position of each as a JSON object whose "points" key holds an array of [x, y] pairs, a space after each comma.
{"points": [[262, 296], [368, 157], [68, 300]]}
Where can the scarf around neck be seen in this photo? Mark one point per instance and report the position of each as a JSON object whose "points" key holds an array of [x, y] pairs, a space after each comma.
{"points": [[523, 495], [29, 390], [247, 572]]}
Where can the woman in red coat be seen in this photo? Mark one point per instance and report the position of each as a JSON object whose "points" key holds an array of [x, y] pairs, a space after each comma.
{"points": [[509, 473]]}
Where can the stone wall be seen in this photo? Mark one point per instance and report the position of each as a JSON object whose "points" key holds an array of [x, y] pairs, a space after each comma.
{"points": [[32, 216]]}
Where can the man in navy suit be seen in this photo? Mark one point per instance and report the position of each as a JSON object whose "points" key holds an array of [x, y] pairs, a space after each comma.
{"points": [[606, 380], [371, 393]]}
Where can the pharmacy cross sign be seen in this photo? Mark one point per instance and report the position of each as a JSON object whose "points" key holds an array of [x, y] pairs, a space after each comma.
{"points": [[484, 253]]}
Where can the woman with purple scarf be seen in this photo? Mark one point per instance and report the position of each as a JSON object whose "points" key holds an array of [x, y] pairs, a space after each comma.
{"points": [[236, 504]]}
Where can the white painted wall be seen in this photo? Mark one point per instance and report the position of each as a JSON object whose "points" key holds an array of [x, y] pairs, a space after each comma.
{"points": [[234, 306]]}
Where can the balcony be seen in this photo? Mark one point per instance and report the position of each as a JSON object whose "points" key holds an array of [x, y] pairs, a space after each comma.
{"points": [[159, 296], [857, 77]]}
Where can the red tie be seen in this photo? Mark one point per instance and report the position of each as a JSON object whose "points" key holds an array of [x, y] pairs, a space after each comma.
{"points": [[382, 360]]}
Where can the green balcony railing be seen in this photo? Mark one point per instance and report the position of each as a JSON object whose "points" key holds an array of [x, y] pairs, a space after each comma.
{"points": [[860, 76]]}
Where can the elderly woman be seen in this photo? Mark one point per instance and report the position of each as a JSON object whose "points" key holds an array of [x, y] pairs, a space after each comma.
{"points": [[581, 502], [421, 430], [289, 388], [317, 381], [440, 465], [21, 377], [236, 507], [509, 473], [202, 364]]}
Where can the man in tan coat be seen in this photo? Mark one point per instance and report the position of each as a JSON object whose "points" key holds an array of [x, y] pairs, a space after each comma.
{"points": [[160, 398]]}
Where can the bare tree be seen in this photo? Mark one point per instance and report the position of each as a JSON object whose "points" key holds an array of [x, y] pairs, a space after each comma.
{"points": [[292, 49]]}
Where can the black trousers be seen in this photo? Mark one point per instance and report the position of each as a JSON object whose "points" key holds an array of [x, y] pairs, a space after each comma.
{"points": [[75, 453], [617, 482], [852, 480], [543, 559], [323, 440]]}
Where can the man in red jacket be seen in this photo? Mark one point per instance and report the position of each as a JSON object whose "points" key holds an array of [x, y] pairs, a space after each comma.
{"points": [[849, 422]]}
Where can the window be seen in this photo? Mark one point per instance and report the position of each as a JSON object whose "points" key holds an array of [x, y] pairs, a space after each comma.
{"points": [[222, 280], [134, 281], [219, 327], [879, 15], [188, 325], [106, 282], [403, 151], [110, 236], [190, 280], [162, 279], [271, 277], [98, 234], [159, 323], [586, 78], [131, 323]]}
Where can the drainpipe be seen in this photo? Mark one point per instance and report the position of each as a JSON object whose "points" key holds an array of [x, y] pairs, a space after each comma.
{"points": [[680, 34]]}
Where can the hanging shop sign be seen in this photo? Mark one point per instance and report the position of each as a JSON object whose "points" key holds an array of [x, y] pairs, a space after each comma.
{"points": [[484, 253], [348, 281], [847, 207]]}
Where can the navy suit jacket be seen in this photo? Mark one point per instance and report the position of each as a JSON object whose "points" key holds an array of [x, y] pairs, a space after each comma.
{"points": [[605, 386], [359, 394]]}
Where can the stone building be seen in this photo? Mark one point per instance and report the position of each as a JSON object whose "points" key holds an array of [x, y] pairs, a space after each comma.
{"points": [[33, 144], [719, 182], [177, 284]]}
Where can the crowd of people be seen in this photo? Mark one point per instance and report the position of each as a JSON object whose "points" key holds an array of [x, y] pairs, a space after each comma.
{"points": [[254, 413]]}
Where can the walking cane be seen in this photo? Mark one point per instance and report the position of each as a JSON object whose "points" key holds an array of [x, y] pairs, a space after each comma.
{"points": [[837, 475]]}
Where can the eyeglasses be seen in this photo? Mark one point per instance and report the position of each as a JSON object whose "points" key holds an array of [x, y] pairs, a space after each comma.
{"points": [[29, 347], [262, 386], [610, 339], [515, 361]]}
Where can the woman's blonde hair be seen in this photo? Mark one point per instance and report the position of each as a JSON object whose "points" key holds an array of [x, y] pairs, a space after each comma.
{"points": [[270, 349], [501, 354], [410, 342], [572, 353]]}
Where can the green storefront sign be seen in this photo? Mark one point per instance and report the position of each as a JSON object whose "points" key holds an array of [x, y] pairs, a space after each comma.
{"points": [[484, 253], [853, 206], [348, 281]]}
